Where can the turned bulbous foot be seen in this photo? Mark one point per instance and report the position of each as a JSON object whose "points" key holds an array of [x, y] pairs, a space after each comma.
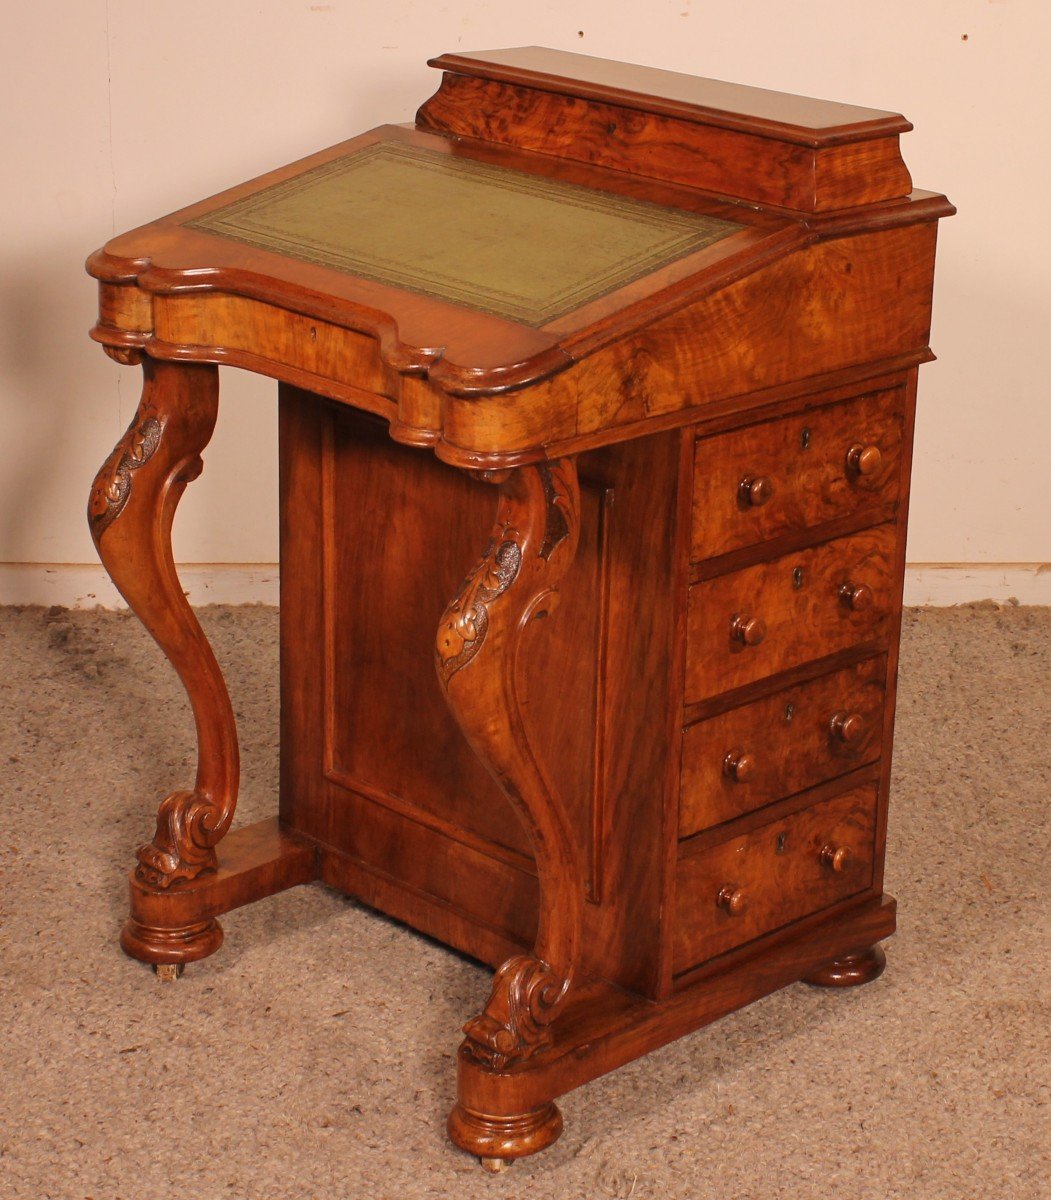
{"points": [[498, 1140], [851, 970], [171, 947]]}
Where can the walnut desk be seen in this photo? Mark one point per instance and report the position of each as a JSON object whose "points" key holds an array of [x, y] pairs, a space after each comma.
{"points": [[638, 758]]}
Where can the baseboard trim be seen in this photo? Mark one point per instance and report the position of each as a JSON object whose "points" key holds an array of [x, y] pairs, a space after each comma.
{"points": [[83, 585], [941, 585], [86, 585]]}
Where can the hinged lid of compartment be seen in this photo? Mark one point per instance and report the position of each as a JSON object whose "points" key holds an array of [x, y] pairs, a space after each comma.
{"points": [[745, 142]]}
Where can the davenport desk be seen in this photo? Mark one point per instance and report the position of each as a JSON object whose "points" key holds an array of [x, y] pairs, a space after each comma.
{"points": [[637, 759]]}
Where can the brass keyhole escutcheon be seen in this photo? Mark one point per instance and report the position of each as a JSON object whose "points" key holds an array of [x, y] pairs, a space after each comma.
{"points": [[782, 843], [798, 578]]}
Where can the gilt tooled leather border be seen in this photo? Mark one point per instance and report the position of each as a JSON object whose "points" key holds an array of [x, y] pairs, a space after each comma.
{"points": [[255, 221]]}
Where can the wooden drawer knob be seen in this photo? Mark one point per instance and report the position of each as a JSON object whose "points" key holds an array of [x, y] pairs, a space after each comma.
{"points": [[749, 631], [864, 460], [848, 728], [755, 490], [739, 766], [836, 858], [731, 900], [856, 596]]}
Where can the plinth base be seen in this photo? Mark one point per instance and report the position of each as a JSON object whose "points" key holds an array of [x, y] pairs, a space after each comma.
{"points": [[177, 924]]}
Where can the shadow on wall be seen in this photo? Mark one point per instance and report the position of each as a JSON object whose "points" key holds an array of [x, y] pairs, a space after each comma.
{"points": [[64, 405], [55, 438]]}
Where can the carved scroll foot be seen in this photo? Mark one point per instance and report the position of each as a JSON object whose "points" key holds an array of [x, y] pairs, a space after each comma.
{"points": [[181, 847], [851, 970], [526, 995], [130, 513], [500, 1139], [479, 656]]}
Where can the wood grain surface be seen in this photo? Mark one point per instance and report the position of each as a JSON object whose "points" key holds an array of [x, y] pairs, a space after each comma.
{"points": [[748, 757], [701, 151], [777, 871], [590, 609], [802, 465], [798, 599]]}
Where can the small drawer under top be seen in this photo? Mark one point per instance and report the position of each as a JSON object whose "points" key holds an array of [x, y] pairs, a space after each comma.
{"points": [[750, 624], [779, 873], [796, 738], [754, 484]]}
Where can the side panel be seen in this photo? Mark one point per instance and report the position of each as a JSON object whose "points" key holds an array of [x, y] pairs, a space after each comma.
{"points": [[375, 539]]}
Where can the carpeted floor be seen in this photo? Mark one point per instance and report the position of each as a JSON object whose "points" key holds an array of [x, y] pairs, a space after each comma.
{"points": [[312, 1058]]}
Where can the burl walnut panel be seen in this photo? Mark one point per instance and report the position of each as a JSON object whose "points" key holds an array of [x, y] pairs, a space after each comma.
{"points": [[506, 101], [775, 615], [812, 312], [778, 873], [817, 465], [796, 738], [375, 768]]}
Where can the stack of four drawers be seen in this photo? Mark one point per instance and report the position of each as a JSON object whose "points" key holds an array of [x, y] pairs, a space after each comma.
{"points": [[792, 627]]}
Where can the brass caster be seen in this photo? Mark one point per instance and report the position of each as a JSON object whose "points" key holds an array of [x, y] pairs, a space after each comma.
{"points": [[495, 1165], [167, 972]]}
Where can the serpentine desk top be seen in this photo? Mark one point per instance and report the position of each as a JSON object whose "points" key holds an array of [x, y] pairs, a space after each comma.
{"points": [[479, 256], [567, 250]]}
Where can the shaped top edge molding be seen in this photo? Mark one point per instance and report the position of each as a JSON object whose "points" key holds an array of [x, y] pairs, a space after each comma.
{"points": [[778, 115]]}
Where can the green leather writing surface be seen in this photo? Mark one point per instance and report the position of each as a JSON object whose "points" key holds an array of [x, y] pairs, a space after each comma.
{"points": [[498, 240]]}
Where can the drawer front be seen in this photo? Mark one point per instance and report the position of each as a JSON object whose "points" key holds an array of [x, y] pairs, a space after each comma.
{"points": [[756, 483], [801, 736], [776, 615], [776, 874]]}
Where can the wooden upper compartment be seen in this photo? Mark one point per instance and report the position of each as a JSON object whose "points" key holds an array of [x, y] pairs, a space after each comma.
{"points": [[789, 118], [745, 142]]}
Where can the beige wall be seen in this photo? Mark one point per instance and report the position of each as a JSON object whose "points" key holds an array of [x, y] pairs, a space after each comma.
{"points": [[117, 111]]}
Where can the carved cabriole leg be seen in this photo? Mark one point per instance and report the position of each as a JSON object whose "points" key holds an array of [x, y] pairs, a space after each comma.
{"points": [[479, 660], [130, 512]]}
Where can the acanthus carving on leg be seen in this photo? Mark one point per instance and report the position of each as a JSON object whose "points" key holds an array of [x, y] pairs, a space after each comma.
{"points": [[112, 486], [130, 514], [467, 618], [478, 653]]}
